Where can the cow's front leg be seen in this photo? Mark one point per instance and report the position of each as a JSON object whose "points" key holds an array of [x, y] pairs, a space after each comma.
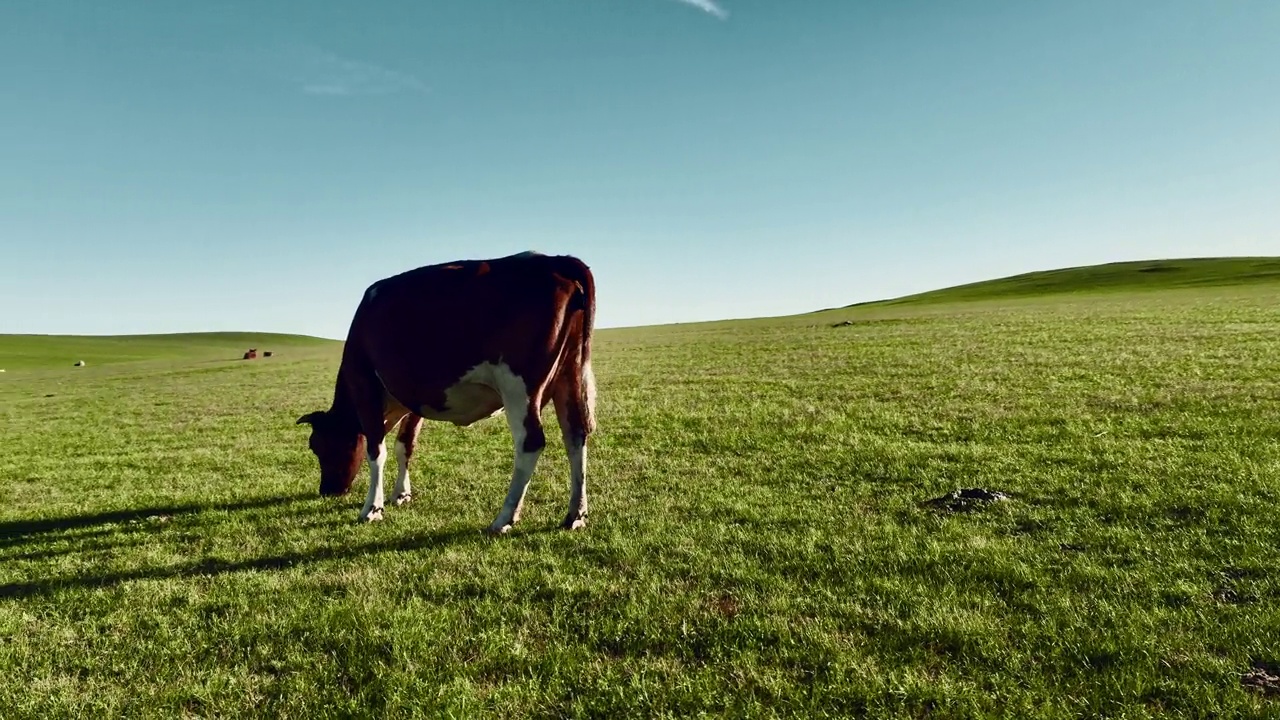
{"points": [[377, 459], [526, 432], [405, 442]]}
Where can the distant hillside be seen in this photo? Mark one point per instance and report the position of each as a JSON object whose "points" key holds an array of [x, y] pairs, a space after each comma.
{"points": [[1122, 276], [26, 352]]}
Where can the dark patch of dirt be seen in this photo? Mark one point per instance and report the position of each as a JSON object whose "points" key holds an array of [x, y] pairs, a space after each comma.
{"points": [[1230, 596], [725, 606], [1263, 678], [1233, 587], [967, 499]]}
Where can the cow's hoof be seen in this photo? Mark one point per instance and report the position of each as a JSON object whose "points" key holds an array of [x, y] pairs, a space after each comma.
{"points": [[404, 499], [497, 530], [573, 523], [374, 515]]}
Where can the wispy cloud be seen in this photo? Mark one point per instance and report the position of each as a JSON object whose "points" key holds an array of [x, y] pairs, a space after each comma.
{"points": [[315, 71], [708, 6], [324, 73]]}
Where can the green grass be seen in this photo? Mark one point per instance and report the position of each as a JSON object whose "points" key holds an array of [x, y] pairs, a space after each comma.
{"points": [[757, 545]]}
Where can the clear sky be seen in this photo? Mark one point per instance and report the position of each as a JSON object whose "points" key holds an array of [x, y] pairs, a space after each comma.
{"points": [[255, 164]]}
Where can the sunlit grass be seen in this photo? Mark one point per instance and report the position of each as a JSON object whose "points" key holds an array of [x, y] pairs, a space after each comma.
{"points": [[757, 545]]}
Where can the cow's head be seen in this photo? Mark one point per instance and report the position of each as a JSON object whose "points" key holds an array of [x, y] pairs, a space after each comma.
{"points": [[337, 447]]}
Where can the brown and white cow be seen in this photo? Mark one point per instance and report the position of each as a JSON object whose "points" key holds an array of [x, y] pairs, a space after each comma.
{"points": [[458, 342]]}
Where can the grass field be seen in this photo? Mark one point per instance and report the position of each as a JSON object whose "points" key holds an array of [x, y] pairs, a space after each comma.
{"points": [[758, 544]]}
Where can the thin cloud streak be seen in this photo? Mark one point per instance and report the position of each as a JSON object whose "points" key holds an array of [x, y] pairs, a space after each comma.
{"points": [[708, 6], [334, 75], [314, 71]]}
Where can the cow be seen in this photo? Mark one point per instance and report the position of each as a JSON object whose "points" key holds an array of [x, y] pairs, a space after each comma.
{"points": [[459, 342]]}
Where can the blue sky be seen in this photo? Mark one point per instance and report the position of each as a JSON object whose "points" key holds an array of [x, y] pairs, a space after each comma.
{"points": [[254, 165]]}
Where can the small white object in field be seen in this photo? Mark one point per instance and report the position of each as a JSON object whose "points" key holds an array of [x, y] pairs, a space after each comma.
{"points": [[79, 363]]}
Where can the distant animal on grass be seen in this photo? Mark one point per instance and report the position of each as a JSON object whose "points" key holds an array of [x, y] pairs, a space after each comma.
{"points": [[458, 342], [251, 354], [79, 363]]}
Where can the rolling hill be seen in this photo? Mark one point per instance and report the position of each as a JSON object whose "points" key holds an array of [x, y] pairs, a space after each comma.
{"points": [[1139, 275], [29, 352]]}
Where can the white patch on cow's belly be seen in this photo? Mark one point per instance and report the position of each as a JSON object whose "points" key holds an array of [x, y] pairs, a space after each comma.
{"points": [[476, 395]]}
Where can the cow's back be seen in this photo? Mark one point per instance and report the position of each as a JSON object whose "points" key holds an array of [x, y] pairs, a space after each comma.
{"points": [[424, 328]]}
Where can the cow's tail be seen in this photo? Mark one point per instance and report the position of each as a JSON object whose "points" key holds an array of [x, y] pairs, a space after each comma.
{"points": [[584, 299]]}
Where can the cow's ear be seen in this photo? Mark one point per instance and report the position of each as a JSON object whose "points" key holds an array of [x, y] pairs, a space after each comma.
{"points": [[310, 418]]}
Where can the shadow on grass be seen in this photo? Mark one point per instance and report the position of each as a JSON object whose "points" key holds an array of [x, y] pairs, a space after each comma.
{"points": [[213, 567], [18, 531], [99, 549]]}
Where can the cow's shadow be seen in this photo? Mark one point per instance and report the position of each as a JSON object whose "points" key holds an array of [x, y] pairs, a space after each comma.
{"points": [[17, 532], [89, 537]]}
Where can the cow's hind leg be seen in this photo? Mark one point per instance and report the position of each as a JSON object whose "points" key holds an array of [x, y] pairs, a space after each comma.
{"points": [[406, 440], [574, 413], [526, 432]]}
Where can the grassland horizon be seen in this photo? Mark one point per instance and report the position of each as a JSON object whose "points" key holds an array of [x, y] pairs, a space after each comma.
{"points": [[1121, 276]]}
